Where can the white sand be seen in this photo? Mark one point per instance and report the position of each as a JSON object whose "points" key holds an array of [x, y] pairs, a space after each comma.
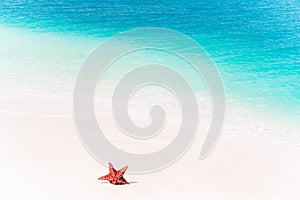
{"points": [[42, 158]]}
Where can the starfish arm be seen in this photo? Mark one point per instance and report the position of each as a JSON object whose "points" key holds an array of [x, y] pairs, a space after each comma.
{"points": [[112, 170], [106, 178], [121, 172]]}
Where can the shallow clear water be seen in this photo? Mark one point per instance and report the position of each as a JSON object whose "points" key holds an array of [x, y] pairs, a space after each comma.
{"points": [[255, 44]]}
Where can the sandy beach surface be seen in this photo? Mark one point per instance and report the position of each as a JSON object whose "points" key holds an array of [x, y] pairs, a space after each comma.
{"points": [[42, 158]]}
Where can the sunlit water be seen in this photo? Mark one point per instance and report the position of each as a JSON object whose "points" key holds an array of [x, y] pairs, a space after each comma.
{"points": [[255, 44]]}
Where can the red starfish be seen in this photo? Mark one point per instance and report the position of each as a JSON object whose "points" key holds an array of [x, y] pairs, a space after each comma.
{"points": [[115, 177]]}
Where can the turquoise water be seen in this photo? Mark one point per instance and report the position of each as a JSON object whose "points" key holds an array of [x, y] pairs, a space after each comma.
{"points": [[255, 44]]}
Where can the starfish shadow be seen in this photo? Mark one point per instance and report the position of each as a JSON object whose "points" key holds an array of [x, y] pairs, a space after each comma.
{"points": [[132, 182]]}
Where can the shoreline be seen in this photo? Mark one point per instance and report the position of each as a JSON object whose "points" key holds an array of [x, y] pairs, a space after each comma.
{"points": [[62, 107]]}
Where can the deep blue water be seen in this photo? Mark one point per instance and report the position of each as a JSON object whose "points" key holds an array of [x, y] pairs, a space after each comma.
{"points": [[255, 44]]}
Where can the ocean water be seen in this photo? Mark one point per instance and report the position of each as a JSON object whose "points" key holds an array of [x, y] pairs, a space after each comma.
{"points": [[255, 44]]}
